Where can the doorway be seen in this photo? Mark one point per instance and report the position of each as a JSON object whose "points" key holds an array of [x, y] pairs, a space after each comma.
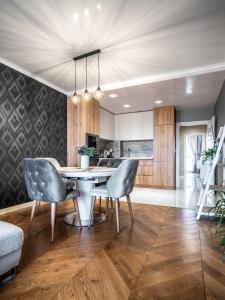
{"points": [[194, 145]]}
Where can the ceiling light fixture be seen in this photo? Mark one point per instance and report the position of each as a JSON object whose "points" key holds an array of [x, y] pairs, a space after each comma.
{"points": [[189, 86], [75, 17], [86, 95], [126, 105], [75, 96], [98, 93], [98, 6], [158, 101], [113, 95], [86, 12]]}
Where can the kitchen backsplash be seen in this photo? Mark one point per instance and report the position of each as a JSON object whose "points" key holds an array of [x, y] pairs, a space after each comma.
{"points": [[127, 148], [137, 148]]}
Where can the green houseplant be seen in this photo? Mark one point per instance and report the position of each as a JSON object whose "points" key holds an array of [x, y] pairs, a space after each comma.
{"points": [[85, 152], [208, 155], [218, 231]]}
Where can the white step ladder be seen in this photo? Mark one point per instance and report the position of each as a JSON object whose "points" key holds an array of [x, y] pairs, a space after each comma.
{"points": [[210, 172]]}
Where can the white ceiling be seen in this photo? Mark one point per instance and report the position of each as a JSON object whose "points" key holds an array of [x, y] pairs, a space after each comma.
{"points": [[141, 41], [192, 92]]}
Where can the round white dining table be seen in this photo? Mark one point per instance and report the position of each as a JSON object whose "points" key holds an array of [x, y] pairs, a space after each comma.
{"points": [[85, 181]]}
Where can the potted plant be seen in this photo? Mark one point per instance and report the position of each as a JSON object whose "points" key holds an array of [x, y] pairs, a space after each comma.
{"points": [[208, 155], [85, 152], [218, 231]]}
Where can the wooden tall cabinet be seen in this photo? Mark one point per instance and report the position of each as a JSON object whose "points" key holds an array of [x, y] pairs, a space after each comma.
{"points": [[164, 147], [82, 118]]}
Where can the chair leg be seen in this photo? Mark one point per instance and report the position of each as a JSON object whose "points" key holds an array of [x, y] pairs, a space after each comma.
{"points": [[53, 215], [100, 204], [32, 215], [130, 208], [91, 211], [111, 204], [107, 207], [78, 212], [117, 215], [38, 206]]}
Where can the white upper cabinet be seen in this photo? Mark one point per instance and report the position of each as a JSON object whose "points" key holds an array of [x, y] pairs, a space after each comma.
{"points": [[134, 126], [106, 125], [147, 125]]}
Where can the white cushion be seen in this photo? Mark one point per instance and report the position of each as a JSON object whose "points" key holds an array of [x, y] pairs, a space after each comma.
{"points": [[11, 238]]}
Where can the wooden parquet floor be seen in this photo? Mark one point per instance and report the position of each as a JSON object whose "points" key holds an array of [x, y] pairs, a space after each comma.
{"points": [[165, 254]]}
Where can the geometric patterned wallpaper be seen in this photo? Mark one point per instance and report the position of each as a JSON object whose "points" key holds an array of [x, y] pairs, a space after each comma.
{"points": [[33, 123]]}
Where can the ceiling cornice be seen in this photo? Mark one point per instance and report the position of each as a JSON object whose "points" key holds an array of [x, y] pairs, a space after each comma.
{"points": [[161, 77], [29, 74]]}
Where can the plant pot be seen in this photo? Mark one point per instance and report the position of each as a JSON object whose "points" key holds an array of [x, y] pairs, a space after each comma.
{"points": [[84, 162]]}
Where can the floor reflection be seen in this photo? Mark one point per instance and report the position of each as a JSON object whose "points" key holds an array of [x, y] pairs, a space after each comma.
{"points": [[186, 196]]}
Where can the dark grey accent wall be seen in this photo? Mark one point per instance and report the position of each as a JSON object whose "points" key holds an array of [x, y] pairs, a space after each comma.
{"points": [[219, 112], [33, 123], [219, 109], [194, 114]]}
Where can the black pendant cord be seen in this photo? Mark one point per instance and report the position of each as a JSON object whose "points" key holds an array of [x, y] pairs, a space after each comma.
{"points": [[75, 79], [98, 72], [86, 73]]}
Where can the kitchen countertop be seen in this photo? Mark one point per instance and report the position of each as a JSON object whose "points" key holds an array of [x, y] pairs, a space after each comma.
{"points": [[135, 157]]}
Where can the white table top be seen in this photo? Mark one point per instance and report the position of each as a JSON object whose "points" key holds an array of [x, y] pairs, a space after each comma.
{"points": [[91, 172]]}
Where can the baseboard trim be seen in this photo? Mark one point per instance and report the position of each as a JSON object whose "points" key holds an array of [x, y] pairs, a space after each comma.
{"points": [[7, 210]]}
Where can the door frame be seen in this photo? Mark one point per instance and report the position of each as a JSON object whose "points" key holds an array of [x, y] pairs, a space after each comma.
{"points": [[178, 125], [185, 144]]}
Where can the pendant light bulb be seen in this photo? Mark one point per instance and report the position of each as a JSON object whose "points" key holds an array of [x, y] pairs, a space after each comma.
{"points": [[75, 97], [86, 95], [98, 92]]}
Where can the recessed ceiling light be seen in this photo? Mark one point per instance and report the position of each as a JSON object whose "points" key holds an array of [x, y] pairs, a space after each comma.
{"points": [[75, 17], [126, 105], [189, 86], [113, 95], [158, 101], [86, 12], [98, 6]]}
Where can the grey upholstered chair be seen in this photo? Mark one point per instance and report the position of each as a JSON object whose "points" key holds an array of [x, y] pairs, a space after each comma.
{"points": [[109, 163], [120, 184], [45, 184]]}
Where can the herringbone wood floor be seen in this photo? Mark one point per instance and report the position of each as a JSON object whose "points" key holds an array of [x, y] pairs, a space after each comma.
{"points": [[165, 254]]}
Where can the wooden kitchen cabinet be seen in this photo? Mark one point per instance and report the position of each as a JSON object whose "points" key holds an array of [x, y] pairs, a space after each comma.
{"points": [[164, 147], [164, 116], [144, 176], [82, 118]]}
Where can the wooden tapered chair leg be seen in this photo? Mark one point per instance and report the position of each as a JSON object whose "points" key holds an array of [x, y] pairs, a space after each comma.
{"points": [[117, 215], [130, 208], [100, 204], [111, 204], [78, 212], [38, 206], [91, 211], [53, 215], [32, 215], [107, 207]]}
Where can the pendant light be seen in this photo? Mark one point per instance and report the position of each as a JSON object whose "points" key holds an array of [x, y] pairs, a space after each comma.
{"points": [[98, 92], [75, 96], [86, 95]]}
